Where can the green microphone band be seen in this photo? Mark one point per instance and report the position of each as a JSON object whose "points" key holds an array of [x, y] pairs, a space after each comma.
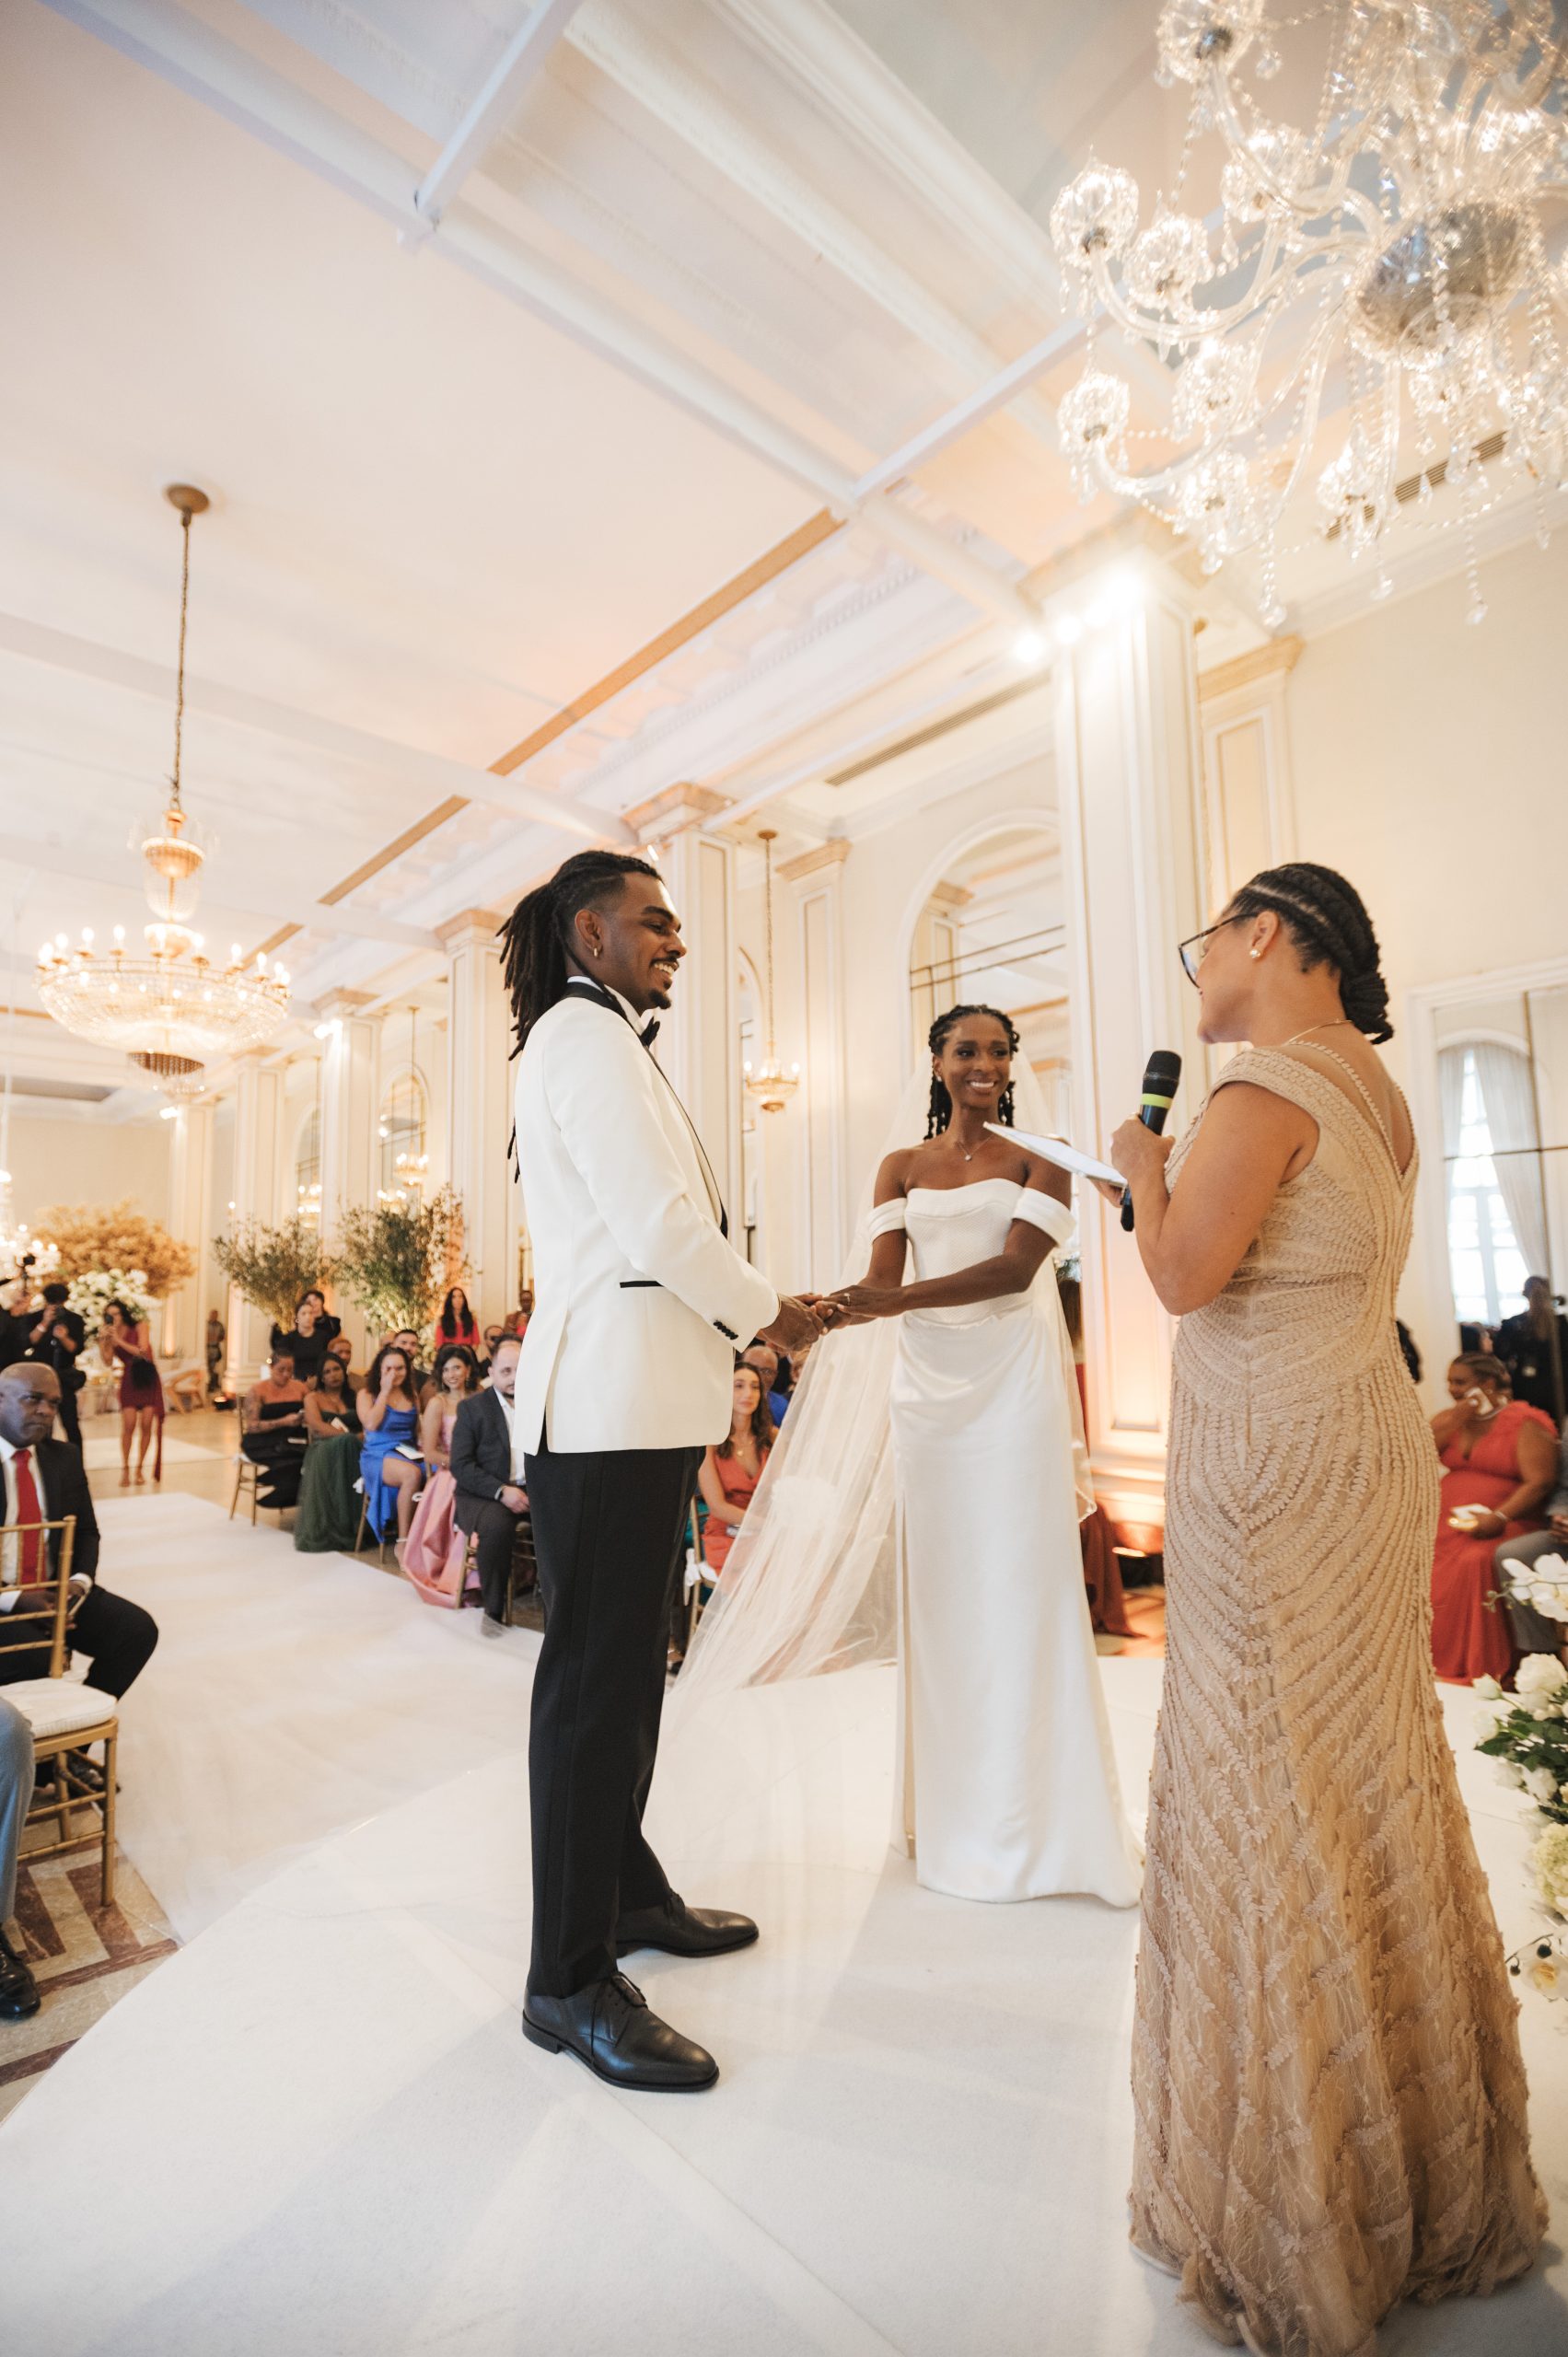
{"points": [[1164, 1103]]}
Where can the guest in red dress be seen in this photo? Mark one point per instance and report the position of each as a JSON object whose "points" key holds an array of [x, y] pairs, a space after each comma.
{"points": [[730, 1472], [1500, 1466]]}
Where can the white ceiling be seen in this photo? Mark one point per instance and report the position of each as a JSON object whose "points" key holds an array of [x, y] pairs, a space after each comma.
{"points": [[719, 264]]}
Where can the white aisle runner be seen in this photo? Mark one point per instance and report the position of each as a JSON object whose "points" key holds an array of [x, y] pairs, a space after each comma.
{"points": [[318, 2129]]}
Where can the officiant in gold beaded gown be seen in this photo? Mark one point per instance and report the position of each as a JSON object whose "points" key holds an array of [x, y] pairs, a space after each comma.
{"points": [[1330, 2100]]}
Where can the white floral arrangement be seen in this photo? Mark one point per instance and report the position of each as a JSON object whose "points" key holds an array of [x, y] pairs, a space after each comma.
{"points": [[91, 1294], [1526, 1734], [1543, 1585]]}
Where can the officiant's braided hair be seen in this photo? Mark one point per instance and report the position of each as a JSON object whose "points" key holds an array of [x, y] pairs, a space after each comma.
{"points": [[941, 1111], [1327, 919], [537, 935]]}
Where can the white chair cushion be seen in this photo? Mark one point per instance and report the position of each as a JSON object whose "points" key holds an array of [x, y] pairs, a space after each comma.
{"points": [[58, 1705]]}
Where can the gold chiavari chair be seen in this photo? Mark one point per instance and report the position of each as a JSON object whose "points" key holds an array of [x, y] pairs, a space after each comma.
{"points": [[64, 1716]]}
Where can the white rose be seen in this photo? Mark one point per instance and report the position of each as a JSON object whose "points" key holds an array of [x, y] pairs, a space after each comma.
{"points": [[1540, 1784], [1508, 1772], [1485, 1724], [1540, 1675], [1486, 1689]]}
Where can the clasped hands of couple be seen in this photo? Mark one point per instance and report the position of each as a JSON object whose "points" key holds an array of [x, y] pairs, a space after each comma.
{"points": [[1134, 1151]]}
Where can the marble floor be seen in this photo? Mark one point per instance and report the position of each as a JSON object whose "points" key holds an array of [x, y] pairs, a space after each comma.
{"points": [[317, 2127]]}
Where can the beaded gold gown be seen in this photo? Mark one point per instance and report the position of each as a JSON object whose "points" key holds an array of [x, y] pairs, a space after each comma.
{"points": [[1328, 2088]]}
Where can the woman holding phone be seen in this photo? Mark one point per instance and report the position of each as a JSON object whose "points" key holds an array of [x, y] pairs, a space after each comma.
{"points": [[1499, 1457]]}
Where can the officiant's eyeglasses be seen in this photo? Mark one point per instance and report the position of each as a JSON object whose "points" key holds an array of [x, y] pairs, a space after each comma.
{"points": [[1192, 951]]}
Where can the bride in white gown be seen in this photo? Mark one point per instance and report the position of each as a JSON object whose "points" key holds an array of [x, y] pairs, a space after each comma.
{"points": [[960, 1542]]}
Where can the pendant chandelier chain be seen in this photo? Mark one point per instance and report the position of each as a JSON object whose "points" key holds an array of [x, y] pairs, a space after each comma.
{"points": [[180, 666]]}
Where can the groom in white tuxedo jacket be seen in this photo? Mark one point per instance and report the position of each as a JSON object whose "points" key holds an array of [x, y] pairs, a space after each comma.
{"points": [[641, 1303]]}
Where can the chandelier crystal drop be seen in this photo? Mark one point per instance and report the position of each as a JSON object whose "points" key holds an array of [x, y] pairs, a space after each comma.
{"points": [[167, 1006], [769, 1082], [1398, 269]]}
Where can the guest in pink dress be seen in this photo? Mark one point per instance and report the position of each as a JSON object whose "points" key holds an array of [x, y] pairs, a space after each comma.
{"points": [[1500, 1466], [436, 1550], [730, 1472]]}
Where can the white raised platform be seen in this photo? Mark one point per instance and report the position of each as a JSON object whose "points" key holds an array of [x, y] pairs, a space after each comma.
{"points": [[317, 2127]]}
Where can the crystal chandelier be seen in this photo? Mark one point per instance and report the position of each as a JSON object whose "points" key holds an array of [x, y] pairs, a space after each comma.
{"points": [[1396, 253], [168, 1006], [768, 1082]]}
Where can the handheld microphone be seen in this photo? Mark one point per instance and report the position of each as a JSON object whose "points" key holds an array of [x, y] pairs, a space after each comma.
{"points": [[1160, 1077]]}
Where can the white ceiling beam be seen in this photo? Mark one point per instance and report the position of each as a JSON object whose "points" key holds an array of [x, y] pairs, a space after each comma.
{"points": [[665, 85], [972, 410], [87, 659], [183, 51], [494, 107], [116, 873], [954, 693]]}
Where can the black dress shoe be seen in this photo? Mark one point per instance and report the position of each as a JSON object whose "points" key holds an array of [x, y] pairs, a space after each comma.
{"points": [[609, 2026], [681, 1930], [18, 1991]]}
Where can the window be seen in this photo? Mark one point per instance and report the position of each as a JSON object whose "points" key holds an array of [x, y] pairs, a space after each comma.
{"points": [[307, 1167], [401, 1139], [1486, 1266]]}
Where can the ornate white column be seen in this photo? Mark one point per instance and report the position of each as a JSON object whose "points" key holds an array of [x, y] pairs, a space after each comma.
{"points": [[258, 1195], [348, 1106], [1133, 863], [182, 1325], [814, 898], [479, 1075], [699, 1041]]}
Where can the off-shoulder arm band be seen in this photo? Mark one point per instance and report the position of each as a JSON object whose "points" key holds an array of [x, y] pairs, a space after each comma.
{"points": [[888, 1219], [1045, 1212]]}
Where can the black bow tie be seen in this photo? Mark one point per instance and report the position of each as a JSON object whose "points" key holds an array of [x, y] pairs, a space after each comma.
{"points": [[651, 1034]]}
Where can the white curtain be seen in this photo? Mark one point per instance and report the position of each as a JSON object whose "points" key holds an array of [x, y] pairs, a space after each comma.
{"points": [[1509, 1103], [1451, 1084]]}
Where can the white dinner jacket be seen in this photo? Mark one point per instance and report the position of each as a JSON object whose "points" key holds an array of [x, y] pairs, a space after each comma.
{"points": [[639, 1304]]}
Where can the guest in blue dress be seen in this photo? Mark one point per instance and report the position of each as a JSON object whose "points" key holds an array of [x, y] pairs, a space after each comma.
{"points": [[388, 1412]]}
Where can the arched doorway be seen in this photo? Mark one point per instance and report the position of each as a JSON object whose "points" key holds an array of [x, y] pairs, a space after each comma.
{"points": [[991, 930]]}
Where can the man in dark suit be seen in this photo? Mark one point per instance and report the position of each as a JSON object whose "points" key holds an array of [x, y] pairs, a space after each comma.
{"points": [[44, 1482], [489, 1500], [57, 1337]]}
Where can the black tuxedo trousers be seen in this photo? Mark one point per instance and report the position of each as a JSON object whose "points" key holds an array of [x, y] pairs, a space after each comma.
{"points": [[608, 1531]]}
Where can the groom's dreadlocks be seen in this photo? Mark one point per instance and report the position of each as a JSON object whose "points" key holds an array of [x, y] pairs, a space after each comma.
{"points": [[941, 1111]]}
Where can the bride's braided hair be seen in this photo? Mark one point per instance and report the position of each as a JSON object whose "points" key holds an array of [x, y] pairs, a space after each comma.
{"points": [[1327, 920], [537, 934], [941, 1111]]}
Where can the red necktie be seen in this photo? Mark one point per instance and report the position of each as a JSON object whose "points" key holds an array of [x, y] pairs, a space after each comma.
{"points": [[29, 1508]]}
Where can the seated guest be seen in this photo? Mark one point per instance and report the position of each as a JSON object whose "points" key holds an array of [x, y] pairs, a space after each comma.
{"points": [[57, 1337], [454, 1378], [436, 1549], [1533, 1632], [339, 1347], [305, 1341], [405, 1339], [329, 1407], [273, 1434], [489, 1500], [388, 1416], [1533, 1347], [456, 1323], [19, 1990], [326, 1324], [1500, 1466], [729, 1474], [328, 1513], [766, 1360], [44, 1482], [492, 1336]]}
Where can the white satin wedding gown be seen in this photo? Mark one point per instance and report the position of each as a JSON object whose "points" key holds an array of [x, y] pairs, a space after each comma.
{"points": [[1009, 1785]]}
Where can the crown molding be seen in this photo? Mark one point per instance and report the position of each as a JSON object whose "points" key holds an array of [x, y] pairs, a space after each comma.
{"points": [[832, 853], [1280, 655]]}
